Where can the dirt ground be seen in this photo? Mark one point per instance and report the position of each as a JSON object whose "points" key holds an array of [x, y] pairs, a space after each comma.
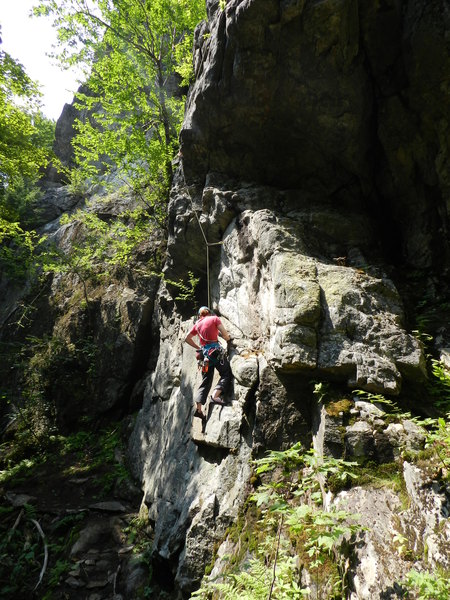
{"points": [[69, 529]]}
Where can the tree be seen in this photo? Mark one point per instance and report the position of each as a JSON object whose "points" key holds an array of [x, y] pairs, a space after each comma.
{"points": [[26, 137], [25, 134], [134, 53]]}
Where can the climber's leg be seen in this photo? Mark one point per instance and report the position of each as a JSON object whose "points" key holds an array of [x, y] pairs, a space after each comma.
{"points": [[203, 388], [224, 382]]}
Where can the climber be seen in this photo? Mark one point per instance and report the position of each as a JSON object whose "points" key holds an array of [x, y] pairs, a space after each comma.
{"points": [[208, 328]]}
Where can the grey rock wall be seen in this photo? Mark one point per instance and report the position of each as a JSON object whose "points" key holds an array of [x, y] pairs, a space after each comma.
{"points": [[314, 158], [343, 99]]}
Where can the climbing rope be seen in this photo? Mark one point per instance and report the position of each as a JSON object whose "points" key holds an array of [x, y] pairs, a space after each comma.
{"points": [[207, 244]]}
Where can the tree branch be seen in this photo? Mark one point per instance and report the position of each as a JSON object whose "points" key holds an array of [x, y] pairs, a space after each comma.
{"points": [[44, 566]]}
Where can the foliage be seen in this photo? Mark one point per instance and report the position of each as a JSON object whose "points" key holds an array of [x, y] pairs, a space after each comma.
{"points": [[438, 441], [437, 431], [387, 403], [321, 527], [92, 453], [21, 553], [253, 580], [320, 390], [46, 364], [439, 385], [18, 469], [138, 533], [25, 134], [185, 290], [428, 586], [133, 52], [18, 250], [98, 247], [295, 520], [26, 137]]}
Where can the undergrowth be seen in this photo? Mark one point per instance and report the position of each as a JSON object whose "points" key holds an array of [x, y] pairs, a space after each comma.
{"points": [[25, 549], [83, 452], [296, 539]]}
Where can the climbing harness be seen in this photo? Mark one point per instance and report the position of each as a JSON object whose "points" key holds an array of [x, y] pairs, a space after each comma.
{"points": [[210, 354], [207, 244], [212, 351]]}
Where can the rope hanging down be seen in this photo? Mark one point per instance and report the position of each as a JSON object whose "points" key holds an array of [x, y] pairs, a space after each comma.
{"points": [[207, 244]]}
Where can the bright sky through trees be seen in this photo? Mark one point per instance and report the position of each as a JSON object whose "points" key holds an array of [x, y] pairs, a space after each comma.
{"points": [[28, 39]]}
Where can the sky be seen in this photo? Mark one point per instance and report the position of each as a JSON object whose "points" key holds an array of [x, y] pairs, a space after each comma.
{"points": [[28, 39]]}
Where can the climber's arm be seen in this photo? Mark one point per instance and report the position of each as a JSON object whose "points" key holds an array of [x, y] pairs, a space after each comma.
{"points": [[189, 339], [224, 333]]}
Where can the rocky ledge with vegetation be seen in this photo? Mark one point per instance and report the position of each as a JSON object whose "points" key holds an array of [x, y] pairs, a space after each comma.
{"points": [[308, 203]]}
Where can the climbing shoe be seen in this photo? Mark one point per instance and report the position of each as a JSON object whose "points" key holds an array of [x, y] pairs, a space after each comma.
{"points": [[199, 414]]}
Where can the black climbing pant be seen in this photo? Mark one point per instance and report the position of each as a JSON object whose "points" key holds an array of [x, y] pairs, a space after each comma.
{"points": [[223, 366]]}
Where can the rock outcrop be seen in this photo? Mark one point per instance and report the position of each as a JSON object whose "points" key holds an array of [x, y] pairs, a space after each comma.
{"points": [[311, 189], [344, 100], [313, 161]]}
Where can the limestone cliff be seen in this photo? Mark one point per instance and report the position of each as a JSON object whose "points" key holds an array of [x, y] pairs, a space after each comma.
{"points": [[311, 199], [315, 152]]}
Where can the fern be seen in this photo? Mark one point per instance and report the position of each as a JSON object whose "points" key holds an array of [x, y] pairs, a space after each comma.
{"points": [[297, 530]]}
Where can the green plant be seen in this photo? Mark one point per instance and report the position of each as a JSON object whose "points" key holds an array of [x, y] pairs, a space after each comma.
{"points": [[320, 529], [18, 250], [20, 469], [438, 441], [133, 53], [428, 586], [293, 519], [321, 390], [387, 403], [59, 569], [137, 532], [439, 385], [26, 137], [185, 290], [21, 553], [402, 546], [47, 364]]}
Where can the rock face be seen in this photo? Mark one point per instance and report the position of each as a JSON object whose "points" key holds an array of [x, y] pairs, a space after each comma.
{"points": [[314, 162], [314, 158], [342, 99], [64, 133]]}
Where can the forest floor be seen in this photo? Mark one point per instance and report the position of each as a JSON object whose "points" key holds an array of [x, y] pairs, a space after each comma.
{"points": [[70, 526]]}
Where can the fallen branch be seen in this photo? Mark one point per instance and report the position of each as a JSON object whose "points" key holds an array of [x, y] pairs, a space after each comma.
{"points": [[15, 524], [115, 579], [44, 566]]}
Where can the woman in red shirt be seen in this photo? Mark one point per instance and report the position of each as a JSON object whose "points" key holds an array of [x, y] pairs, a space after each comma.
{"points": [[208, 328]]}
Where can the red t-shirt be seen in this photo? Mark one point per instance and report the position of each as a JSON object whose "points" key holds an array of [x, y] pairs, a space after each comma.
{"points": [[207, 329]]}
